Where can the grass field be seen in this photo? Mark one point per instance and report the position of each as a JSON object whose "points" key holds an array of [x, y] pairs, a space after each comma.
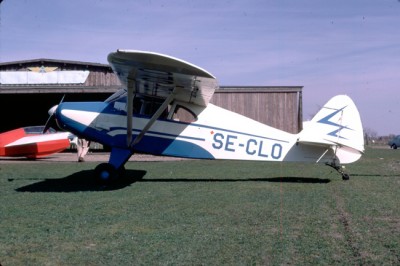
{"points": [[202, 212]]}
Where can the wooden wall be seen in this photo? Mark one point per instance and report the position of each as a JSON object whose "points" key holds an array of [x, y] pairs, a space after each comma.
{"points": [[102, 78], [276, 107]]}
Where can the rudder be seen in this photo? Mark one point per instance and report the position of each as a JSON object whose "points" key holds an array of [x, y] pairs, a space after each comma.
{"points": [[337, 125]]}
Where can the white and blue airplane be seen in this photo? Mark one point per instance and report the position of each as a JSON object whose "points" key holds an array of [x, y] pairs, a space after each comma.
{"points": [[164, 109]]}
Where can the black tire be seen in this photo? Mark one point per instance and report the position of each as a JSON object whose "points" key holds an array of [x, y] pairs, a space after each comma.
{"points": [[121, 171], [394, 146], [345, 177], [106, 172]]}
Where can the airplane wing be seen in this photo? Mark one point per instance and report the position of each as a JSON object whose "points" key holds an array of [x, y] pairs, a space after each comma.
{"points": [[162, 76], [158, 75]]}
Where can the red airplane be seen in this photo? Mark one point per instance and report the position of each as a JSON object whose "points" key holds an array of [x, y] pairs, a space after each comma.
{"points": [[32, 143]]}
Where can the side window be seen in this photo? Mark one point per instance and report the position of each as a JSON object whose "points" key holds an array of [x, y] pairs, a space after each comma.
{"points": [[183, 114], [120, 104], [148, 106]]}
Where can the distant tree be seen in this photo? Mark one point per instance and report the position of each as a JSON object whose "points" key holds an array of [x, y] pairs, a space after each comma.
{"points": [[369, 135]]}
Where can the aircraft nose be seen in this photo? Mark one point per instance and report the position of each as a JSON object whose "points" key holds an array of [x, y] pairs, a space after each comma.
{"points": [[52, 110], [77, 116]]}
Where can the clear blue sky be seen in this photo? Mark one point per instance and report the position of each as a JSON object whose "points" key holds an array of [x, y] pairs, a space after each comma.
{"points": [[330, 47]]}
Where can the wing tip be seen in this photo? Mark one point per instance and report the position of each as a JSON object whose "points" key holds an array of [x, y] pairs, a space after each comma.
{"points": [[143, 52]]}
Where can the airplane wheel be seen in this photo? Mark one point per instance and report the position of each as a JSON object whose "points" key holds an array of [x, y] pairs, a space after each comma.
{"points": [[345, 177], [106, 172], [121, 171]]}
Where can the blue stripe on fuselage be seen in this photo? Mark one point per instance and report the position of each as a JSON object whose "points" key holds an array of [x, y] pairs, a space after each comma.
{"points": [[109, 109], [161, 143]]}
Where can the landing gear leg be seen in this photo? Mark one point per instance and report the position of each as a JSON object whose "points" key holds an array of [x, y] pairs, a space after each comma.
{"points": [[339, 168], [108, 172]]}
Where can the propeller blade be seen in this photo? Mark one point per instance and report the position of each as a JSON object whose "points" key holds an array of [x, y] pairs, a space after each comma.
{"points": [[51, 118], [47, 125]]}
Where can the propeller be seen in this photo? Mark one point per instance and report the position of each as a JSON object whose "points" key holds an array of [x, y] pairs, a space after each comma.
{"points": [[52, 116]]}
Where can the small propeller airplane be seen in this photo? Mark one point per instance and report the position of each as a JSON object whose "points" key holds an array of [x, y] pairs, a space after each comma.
{"points": [[31, 142], [164, 109]]}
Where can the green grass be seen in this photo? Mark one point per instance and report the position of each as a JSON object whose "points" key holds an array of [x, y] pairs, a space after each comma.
{"points": [[202, 212]]}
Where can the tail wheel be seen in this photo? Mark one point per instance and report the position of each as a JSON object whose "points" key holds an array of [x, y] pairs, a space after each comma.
{"points": [[345, 176], [106, 172]]}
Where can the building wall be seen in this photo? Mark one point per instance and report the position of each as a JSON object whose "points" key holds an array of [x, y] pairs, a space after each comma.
{"points": [[102, 78], [279, 107], [276, 106]]}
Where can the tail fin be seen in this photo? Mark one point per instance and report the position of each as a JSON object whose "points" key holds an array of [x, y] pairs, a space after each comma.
{"points": [[337, 125]]}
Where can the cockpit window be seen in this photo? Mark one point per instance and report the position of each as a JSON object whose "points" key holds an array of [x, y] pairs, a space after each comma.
{"points": [[116, 95], [38, 130], [182, 114], [148, 106]]}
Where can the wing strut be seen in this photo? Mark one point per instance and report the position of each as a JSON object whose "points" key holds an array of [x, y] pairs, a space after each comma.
{"points": [[129, 111], [156, 115], [322, 155]]}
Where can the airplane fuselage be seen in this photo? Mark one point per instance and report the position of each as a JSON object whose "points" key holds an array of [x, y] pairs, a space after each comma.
{"points": [[164, 108], [19, 143], [214, 133]]}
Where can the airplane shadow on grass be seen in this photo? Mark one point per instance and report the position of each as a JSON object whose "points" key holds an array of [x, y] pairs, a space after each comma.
{"points": [[83, 181], [267, 179], [86, 181]]}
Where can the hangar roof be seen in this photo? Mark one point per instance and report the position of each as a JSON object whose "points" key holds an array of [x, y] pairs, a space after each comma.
{"points": [[51, 61], [45, 75]]}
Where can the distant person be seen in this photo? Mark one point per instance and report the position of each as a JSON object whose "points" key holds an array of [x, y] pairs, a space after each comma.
{"points": [[82, 146]]}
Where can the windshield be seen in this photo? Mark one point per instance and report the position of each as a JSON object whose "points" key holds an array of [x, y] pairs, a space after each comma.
{"points": [[38, 130], [118, 94]]}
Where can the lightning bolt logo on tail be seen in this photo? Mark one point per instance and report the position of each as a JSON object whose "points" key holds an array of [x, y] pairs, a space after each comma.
{"points": [[327, 121]]}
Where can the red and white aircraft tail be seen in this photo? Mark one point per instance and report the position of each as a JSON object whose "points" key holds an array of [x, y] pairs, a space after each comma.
{"points": [[31, 143]]}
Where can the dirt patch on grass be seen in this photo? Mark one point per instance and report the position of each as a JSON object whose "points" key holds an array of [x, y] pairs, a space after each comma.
{"points": [[349, 234]]}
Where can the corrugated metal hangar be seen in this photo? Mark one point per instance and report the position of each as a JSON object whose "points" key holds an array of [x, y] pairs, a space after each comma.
{"points": [[28, 89]]}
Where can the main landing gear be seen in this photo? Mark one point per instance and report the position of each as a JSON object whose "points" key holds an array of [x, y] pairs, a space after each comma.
{"points": [[339, 168], [107, 173]]}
